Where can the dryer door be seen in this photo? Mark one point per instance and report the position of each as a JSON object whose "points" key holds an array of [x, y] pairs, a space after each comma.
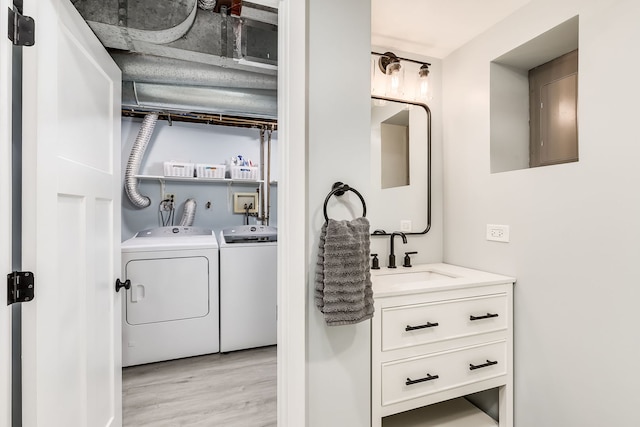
{"points": [[165, 289]]}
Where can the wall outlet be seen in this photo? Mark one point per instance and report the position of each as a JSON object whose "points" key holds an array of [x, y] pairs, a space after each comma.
{"points": [[405, 225], [498, 233]]}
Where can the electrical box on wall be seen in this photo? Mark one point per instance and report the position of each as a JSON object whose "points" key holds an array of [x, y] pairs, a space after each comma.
{"points": [[245, 203]]}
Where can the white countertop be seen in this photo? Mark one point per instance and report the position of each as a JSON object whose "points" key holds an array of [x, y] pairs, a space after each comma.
{"points": [[429, 278]]}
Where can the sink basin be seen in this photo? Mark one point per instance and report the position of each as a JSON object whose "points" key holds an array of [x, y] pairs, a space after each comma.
{"points": [[402, 277], [428, 278]]}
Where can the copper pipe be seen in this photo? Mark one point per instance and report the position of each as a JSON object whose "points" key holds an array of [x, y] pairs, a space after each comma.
{"points": [[262, 187], [268, 183]]}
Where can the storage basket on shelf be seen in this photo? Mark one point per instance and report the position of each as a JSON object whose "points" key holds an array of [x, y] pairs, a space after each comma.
{"points": [[244, 172], [178, 169], [210, 171]]}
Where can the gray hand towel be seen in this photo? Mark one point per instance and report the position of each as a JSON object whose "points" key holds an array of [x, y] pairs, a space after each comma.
{"points": [[343, 282]]}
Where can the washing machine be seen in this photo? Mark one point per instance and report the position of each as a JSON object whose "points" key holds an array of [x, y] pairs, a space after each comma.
{"points": [[171, 309], [248, 287]]}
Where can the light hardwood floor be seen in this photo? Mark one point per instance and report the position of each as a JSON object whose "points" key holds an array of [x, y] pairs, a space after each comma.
{"points": [[236, 389]]}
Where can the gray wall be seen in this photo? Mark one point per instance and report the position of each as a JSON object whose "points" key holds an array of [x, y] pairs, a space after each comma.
{"points": [[338, 125], [574, 228], [339, 150], [197, 143]]}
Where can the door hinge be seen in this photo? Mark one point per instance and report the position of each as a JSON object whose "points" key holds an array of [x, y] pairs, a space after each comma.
{"points": [[20, 287], [22, 29]]}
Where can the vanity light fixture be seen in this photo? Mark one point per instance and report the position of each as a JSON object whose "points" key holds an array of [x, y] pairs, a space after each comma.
{"points": [[391, 66]]}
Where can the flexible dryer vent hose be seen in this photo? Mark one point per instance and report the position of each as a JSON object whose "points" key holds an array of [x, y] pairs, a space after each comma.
{"points": [[135, 159], [206, 4], [189, 213]]}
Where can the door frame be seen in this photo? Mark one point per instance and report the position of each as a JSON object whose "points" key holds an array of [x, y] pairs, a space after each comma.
{"points": [[292, 214], [5, 213], [292, 250]]}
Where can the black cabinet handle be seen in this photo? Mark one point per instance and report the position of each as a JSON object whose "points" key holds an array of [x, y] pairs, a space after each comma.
{"points": [[427, 325], [487, 316], [429, 377], [126, 284], [473, 367]]}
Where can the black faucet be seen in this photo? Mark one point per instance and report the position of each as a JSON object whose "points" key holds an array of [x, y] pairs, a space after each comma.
{"points": [[392, 255]]}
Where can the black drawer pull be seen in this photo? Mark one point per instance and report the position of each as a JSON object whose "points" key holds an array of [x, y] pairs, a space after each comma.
{"points": [[427, 325], [473, 367], [487, 316], [429, 377]]}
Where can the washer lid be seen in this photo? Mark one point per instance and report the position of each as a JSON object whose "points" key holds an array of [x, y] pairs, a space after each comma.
{"points": [[250, 233], [165, 239]]}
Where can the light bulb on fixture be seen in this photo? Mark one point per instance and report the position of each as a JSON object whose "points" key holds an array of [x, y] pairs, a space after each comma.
{"points": [[394, 71], [389, 63], [423, 82]]}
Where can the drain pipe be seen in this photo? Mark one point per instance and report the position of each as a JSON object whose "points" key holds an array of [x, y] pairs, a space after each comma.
{"points": [[135, 159], [189, 213]]}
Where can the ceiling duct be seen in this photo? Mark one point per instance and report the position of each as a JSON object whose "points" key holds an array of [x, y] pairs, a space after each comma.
{"points": [[154, 69], [256, 103], [177, 56]]}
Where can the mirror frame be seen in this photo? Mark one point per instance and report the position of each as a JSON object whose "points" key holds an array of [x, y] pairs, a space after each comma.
{"points": [[428, 111]]}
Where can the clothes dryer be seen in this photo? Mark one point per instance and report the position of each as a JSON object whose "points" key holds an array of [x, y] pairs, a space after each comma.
{"points": [[248, 287], [171, 310]]}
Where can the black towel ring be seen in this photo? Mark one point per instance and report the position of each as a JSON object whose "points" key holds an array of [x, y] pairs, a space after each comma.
{"points": [[339, 189]]}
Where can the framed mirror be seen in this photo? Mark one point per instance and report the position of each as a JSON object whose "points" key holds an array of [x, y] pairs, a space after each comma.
{"points": [[400, 197]]}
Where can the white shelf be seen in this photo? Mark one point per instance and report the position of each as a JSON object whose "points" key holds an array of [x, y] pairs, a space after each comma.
{"points": [[453, 413], [199, 180]]}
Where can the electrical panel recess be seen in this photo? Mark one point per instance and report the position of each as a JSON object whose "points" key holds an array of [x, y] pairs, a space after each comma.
{"points": [[245, 203]]}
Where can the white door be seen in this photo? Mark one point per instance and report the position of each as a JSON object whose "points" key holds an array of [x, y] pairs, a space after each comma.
{"points": [[5, 215], [71, 224]]}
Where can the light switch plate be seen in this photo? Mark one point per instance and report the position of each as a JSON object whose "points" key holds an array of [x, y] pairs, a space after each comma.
{"points": [[498, 233]]}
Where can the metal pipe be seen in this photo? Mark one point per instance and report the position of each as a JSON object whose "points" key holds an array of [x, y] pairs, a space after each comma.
{"points": [[262, 185], [268, 183]]}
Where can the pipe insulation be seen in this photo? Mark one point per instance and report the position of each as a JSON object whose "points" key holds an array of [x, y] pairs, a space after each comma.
{"points": [[189, 213], [135, 159], [157, 69]]}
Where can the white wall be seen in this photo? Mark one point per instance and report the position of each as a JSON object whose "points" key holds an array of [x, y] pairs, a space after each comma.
{"points": [[339, 60], [509, 118], [574, 228]]}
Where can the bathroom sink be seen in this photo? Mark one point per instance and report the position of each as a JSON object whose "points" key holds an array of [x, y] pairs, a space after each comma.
{"points": [[427, 277], [416, 276], [402, 277]]}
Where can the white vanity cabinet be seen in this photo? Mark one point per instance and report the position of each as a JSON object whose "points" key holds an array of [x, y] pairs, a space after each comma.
{"points": [[440, 332]]}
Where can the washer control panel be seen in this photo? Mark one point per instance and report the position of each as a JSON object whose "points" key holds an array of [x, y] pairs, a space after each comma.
{"points": [[176, 230]]}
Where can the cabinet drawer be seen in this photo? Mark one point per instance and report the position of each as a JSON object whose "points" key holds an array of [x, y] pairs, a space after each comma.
{"points": [[411, 325], [420, 376]]}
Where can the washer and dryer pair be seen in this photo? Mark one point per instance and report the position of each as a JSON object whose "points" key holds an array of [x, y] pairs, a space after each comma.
{"points": [[191, 296]]}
